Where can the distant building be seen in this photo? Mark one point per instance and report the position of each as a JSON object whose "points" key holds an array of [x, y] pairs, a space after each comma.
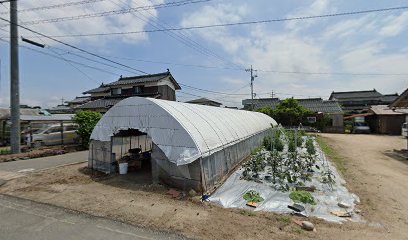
{"points": [[384, 120], [313, 104], [319, 106], [361, 101], [61, 109], [160, 86], [205, 101], [78, 101], [401, 104]]}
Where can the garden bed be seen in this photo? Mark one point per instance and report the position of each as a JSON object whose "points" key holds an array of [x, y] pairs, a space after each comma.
{"points": [[290, 168]]}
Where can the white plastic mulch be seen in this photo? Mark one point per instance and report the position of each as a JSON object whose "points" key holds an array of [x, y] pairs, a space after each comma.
{"points": [[230, 195]]}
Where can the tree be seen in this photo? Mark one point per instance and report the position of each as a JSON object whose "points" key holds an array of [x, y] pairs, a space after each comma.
{"points": [[289, 113], [86, 121], [265, 110]]}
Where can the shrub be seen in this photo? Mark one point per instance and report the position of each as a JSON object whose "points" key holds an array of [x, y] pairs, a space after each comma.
{"points": [[310, 147], [278, 144], [86, 121], [291, 145], [253, 196], [303, 197]]}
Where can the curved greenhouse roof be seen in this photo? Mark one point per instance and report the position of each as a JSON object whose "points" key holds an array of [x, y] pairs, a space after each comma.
{"points": [[183, 131]]}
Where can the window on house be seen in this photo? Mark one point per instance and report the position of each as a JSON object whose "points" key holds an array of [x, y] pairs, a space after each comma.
{"points": [[138, 89], [311, 119], [116, 91]]}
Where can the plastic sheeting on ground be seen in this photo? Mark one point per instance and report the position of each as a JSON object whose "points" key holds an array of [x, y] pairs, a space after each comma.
{"points": [[184, 132], [230, 195]]}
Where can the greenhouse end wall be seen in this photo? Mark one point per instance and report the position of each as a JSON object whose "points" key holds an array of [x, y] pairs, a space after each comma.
{"points": [[100, 156]]}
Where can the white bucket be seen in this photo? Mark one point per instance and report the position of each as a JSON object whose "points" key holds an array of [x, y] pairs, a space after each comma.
{"points": [[123, 168]]}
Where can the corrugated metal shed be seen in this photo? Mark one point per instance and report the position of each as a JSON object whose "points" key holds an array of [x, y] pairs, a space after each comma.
{"points": [[5, 112], [384, 110], [52, 118]]}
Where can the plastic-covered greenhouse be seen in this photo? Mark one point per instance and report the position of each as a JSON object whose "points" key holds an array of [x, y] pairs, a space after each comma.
{"points": [[186, 145]]}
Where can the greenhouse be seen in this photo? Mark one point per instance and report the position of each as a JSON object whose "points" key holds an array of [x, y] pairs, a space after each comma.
{"points": [[183, 145]]}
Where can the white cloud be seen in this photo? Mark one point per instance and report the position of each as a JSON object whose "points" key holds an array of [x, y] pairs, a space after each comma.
{"points": [[114, 23], [350, 45], [317, 7], [395, 25]]}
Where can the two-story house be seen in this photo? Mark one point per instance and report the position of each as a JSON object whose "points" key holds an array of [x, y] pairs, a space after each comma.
{"points": [[161, 86]]}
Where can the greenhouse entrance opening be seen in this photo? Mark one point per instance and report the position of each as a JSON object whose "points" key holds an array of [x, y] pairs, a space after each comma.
{"points": [[133, 147]]}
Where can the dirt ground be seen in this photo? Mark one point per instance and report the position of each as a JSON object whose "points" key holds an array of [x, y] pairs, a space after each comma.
{"points": [[376, 178], [28, 153]]}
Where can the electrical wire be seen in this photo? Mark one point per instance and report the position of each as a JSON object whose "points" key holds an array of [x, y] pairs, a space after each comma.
{"points": [[115, 12], [74, 47], [237, 23], [180, 36], [63, 5], [89, 59], [66, 60], [72, 65]]}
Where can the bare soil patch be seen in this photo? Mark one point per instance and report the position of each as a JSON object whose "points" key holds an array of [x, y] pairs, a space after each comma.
{"points": [[28, 153], [378, 180]]}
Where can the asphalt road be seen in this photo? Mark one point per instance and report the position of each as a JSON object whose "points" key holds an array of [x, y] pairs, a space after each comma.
{"points": [[45, 162], [23, 219]]}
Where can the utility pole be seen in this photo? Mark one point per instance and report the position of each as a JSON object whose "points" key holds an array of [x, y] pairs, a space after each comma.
{"points": [[251, 70], [14, 80]]}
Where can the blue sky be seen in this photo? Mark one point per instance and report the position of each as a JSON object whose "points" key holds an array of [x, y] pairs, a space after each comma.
{"points": [[369, 43]]}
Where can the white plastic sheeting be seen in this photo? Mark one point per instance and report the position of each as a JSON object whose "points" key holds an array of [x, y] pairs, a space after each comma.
{"points": [[184, 132], [230, 195]]}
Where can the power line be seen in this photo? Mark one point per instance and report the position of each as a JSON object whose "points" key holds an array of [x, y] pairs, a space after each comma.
{"points": [[74, 47], [334, 73], [78, 69], [211, 91], [69, 4], [66, 60], [115, 12], [259, 70], [179, 36], [237, 23], [89, 59]]}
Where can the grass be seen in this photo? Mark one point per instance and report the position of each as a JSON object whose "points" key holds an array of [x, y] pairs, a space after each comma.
{"points": [[5, 151], [332, 155], [284, 219]]}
